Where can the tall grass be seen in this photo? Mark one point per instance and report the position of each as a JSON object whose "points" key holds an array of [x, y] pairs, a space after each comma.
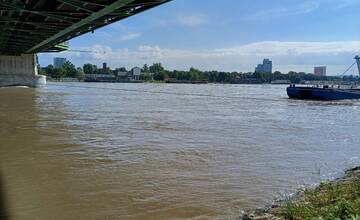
{"points": [[337, 200]]}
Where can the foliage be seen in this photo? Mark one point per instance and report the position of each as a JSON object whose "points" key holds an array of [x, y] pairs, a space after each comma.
{"points": [[145, 68], [58, 73], [90, 69], [157, 72], [67, 70], [70, 69], [159, 76], [157, 68], [339, 200], [49, 69], [80, 75], [41, 71]]}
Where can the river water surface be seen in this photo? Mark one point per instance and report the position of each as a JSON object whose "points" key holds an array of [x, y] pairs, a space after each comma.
{"points": [[157, 151]]}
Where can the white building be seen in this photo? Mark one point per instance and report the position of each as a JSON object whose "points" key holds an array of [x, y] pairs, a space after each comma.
{"points": [[136, 73], [320, 71], [133, 75]]}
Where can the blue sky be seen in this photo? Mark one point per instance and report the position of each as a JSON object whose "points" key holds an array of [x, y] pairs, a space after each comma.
{"points": [[229, 35]]}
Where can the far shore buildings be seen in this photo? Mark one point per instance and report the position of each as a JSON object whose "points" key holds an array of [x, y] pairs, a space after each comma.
{"points": [[127, 76], [59, 62], [136, 73], [265, 67], [119, 75], [320, 71]]}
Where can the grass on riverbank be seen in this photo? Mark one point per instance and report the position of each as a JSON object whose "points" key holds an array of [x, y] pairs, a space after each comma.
{"points": [[335, 200]]}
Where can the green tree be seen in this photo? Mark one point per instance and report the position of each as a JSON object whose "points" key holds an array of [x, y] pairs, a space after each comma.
{"points": [[222, 77], [58, 73], [294, 77], [159, 76], [146, 77], [41, 71], [80, 75], [145, 68], [89, 69], [156, 68], [49, 70], [195, 74], [70, 69]]}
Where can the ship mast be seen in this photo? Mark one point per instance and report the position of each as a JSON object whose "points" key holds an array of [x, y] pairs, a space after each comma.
{"points": [[357, 58]]}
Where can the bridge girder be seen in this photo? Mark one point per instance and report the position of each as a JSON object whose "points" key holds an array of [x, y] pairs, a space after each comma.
{"points": [[33, 26]]}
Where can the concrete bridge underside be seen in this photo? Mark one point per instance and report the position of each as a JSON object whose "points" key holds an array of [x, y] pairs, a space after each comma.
{"points": [[34, 26]]}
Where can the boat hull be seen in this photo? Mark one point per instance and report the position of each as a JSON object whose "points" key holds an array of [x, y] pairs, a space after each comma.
{"points": [[308, 93]]}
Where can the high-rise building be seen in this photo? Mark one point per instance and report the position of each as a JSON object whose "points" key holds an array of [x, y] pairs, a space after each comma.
{"points": [[59, 62], [320, 71], [265, 67], [104, 66]]}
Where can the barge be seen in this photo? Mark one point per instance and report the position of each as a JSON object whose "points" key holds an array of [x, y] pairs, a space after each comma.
{"points": [[326, 93]]}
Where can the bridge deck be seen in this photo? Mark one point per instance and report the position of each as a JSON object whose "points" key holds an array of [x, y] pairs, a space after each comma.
{"points": [[32, 26]]}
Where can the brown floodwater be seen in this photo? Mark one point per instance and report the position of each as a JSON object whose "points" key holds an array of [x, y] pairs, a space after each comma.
{"points": [[155, 151]]}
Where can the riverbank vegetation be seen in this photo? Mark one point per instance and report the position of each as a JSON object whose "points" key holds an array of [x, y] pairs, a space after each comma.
{"points": [[235, 77], [336, 200], [68, 70], [157, 72]]}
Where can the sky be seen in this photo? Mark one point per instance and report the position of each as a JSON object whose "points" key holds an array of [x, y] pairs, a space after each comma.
{"points": [[228, 35]]}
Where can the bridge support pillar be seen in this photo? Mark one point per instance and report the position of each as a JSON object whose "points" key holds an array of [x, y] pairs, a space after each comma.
{"points": [[20, 71]]}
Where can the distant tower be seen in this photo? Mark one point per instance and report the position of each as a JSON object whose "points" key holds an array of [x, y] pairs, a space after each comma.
{"points": [[104, 66], [265, 67], [357, 58], [320, 71], [59, 62]]}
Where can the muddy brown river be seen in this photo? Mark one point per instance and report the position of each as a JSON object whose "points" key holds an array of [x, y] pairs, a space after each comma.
{"points": [[157, 151]]}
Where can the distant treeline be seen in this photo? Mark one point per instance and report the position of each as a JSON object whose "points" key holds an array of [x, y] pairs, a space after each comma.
{"points": [[158, 73], [68, 70]]}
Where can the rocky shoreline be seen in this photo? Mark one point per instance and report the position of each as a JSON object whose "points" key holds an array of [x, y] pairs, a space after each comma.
{"points": [[279, 210]]}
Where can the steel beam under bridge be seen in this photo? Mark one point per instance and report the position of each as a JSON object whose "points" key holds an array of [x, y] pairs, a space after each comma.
{"points": [[33, 26]]}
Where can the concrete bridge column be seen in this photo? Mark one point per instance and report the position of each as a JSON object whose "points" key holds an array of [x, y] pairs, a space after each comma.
{"points": [[20, 71]]}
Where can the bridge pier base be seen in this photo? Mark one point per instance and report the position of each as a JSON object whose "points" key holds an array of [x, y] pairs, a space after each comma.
{"points": [[20, 71]]}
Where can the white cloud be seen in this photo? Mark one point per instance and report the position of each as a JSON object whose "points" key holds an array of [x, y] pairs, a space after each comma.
{"points": [[130, 36], [297, 56], [308, 7], [192, 20], [279, 48], [345, 3], [303, 8]]}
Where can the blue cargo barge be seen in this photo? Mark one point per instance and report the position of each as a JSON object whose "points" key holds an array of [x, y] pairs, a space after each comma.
{"points": [[324, 93]]}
